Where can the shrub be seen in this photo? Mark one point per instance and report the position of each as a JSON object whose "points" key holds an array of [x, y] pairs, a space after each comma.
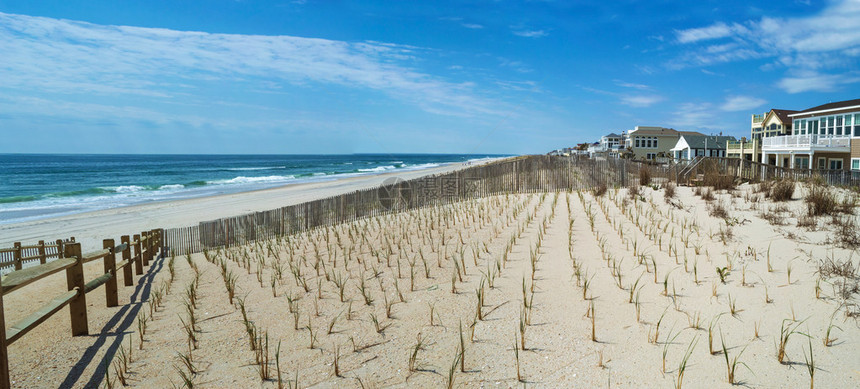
{"points": [[820, 200], [600, 189], [718, 210], [846, 231], [633, 191], [644, 175], [781, 190], [669, 191], [707, 194]]}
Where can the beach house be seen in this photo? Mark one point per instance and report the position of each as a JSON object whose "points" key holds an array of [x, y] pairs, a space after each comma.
{"points": [[819, 138], [691, 146], [771, 123], [651, 143]]}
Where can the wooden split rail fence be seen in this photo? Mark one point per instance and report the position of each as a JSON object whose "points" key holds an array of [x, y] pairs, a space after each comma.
{"points": [[134, 253]]}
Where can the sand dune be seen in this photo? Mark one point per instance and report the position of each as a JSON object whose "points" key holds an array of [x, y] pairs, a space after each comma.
{"points": [[370, 293]]}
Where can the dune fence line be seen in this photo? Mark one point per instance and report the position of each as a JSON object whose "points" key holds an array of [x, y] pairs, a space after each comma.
{"points": [[135, 253], [527, 174], [756, 172], [537, 173]]}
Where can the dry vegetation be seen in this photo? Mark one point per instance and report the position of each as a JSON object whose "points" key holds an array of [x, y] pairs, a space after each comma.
{"points": [[432, 297]]}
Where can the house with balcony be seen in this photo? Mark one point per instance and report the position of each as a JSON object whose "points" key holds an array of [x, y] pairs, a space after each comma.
{"points": [[691, 146], [651, 143], [819, 138], [771, 123], [749, 149]]}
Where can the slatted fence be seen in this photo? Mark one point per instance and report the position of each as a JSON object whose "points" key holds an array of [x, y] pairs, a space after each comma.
{"points": [[529, 174], [20, 255], [756, 172]]}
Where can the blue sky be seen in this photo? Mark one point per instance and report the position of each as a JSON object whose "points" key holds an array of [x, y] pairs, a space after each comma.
{"points": [[292, 77]]}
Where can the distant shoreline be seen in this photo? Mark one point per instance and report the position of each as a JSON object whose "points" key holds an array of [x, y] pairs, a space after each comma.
{"points": [[34, 187], [93, 226]]}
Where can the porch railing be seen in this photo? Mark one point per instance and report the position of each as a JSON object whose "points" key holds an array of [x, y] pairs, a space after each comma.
{"points": [[807, 141]]}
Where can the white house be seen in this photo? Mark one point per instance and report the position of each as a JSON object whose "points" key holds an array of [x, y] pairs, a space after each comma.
{"points": [[691, 146]]}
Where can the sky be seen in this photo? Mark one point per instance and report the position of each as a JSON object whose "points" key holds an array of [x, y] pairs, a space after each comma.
{"points": [[316, 77]]}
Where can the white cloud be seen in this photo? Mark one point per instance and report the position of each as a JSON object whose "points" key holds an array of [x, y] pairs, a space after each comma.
{"points": [[715, 31], [741, 103], [692, 115], [474, 26], [62, 56], [812, 81], [829, 39], [530, 33], [625, 84], [641, 100]]}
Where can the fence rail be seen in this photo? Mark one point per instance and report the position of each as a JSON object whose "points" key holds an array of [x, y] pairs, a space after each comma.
{"points": [[134, 254]]}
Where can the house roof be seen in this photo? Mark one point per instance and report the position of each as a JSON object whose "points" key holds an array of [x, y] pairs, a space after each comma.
{"points": [[612, 135], [830, 106], [782, 115], [715, 142], [654, 131]]}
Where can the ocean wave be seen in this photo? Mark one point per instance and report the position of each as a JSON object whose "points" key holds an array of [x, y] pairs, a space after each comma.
{"points": [[83, 192], [127, 188], [377, 169], [255, 168], [424, 166], [251, 180], [17, 199], [171, 186]]}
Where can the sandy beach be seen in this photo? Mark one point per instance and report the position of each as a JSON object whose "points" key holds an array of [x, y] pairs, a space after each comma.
{"points": [[91, 227], [561, 289]]}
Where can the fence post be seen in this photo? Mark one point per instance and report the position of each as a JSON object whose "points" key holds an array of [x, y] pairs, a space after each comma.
{"points": [[146, 247], [111, 298], [42, 257], [138, 256], [161, 240], [4, 357], [126, 256], [75, 280], [16, 256], [59, 248]]}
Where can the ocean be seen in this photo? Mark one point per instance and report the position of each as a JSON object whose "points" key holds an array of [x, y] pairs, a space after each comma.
{"points": [[39, 186]]}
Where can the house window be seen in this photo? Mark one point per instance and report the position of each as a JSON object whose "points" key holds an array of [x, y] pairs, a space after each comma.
{"points": [[857, 124], [855, 163], [822, 163], [835, 164], [655, 142], [650, 156], [839, 125], [637, 141], [801, 162]]}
